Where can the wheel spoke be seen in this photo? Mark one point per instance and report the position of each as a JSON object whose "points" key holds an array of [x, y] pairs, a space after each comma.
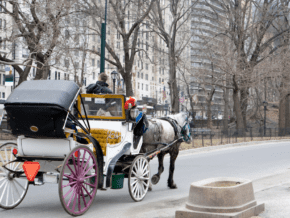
{"points": [[6, 156], [68, 192], [143, 178], [19, 184], [89, 176], [3, 182], [71, 197], [134, 181], [134, 173], [84, 199], [8, 190], [83, 159], [74, 173], [71, 183], [144, 183], [4, 189], [78, 158], [87, 162], [15, 188], [90, 185], [86, 191], [15, 169], [69, 176], [75, 199], [79, 199], [2, 160], [74, 163], [89, 169], [12, 193]]}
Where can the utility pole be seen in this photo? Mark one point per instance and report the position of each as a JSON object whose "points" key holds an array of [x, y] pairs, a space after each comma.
{"points": [[103, 41]]}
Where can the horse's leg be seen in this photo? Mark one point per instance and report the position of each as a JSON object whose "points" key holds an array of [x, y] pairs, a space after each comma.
{"points": [[173, 155], [155, 179]]}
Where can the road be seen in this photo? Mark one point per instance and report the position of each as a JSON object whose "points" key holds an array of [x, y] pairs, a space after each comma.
{"points": [[249, 162]]}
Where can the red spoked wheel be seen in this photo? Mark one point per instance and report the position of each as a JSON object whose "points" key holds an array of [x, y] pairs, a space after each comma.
{"points": [[78, 181]]}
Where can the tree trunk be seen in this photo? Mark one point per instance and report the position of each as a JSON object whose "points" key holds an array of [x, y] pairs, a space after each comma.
{"points": [[174, 95], [237, 108], [208, 102], [244, 104], [226, 114], [23, 75], [282, 120], [128, 81]]}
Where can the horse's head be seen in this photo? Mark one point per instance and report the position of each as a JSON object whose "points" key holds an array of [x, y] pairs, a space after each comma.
{"points": [[183, 122]]}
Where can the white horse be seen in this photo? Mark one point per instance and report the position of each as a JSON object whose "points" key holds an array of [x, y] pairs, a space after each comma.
{"points": [[161, 131]]}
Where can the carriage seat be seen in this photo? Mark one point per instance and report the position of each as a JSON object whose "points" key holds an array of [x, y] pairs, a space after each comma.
{"points": [[104, 137]]}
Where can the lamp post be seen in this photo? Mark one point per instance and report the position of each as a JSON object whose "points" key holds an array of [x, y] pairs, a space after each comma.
{"points": [[114, 75], [103, 41], [265, 108]]}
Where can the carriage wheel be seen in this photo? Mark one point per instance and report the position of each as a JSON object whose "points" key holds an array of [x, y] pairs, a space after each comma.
{"points": [[78, 171], [12, 190], [138, 179]]}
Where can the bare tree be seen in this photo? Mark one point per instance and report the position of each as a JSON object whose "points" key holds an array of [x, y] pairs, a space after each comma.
{"points": [[172, 32], [126, 18], [38, 26]]}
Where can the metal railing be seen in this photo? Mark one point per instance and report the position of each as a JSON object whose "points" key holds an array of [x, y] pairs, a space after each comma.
{"points": [[210, 137]]}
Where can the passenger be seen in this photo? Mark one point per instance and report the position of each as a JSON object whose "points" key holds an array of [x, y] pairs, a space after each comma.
{"points": [[100, 87]]}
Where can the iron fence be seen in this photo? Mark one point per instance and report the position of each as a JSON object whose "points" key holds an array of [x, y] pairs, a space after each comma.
{"points": [[210, 137]]}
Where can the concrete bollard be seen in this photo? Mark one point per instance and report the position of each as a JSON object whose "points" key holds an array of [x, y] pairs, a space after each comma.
{"points": [[221, 198]]}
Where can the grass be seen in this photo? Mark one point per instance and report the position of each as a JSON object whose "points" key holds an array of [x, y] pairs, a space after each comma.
{"points": [[206, 142]]}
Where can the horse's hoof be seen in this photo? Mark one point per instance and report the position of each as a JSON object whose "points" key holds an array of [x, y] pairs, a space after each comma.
{"points": [[173, 186], [155, 179], [150, 188]]}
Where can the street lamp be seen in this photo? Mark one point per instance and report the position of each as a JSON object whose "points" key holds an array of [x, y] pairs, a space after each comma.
{"points": [[114, 76], [265, 108]]}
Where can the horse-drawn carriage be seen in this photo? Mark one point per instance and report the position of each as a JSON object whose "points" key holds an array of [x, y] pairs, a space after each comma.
{"points": [[82, 142]]}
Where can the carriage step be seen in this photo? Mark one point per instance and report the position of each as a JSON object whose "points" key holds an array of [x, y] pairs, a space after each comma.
{"points": [[103, 189]]}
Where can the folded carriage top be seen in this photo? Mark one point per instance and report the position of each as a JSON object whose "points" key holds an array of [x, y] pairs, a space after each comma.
{"points": [[45, 92]]}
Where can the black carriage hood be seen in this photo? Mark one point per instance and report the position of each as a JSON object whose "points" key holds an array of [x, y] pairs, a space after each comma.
{"points": [[47, 92]]}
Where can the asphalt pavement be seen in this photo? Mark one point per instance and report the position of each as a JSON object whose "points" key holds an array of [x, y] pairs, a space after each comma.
{"points": [[266, 163]]}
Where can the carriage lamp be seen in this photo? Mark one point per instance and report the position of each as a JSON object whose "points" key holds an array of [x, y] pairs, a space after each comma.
{"points": [[134, 113]]}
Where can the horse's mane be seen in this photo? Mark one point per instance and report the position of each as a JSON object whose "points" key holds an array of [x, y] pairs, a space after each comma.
{"points": [[180, 117]]}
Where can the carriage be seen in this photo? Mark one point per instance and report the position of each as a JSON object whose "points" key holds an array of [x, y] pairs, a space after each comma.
{"points": [[82, 142]]}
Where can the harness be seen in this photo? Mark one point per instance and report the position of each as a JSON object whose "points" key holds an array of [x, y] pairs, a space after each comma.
{"points": [[174, 124], [184, 131]]}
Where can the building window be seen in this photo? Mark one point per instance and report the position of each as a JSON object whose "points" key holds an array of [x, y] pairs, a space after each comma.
{"points": [[66, 63], [159, 80], [141, 75], [93, 62], [4, 24], [138, 74], [98, 62], [162, 71], [152, 78], [3, 82], [49, 73], [0, 23], [146, 76], [94, 75], [3, 94], [138, 85], [0, 78], [55, 75], [58, 75], [85, 81], [146, 87], [146, 66], [142, 86], [33, 71]]}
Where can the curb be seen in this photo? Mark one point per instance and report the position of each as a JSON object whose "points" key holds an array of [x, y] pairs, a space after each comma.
{"points": [[219, 147]]}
